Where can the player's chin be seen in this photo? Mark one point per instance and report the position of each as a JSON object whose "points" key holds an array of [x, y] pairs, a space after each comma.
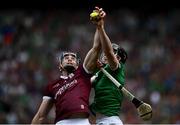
{"points": [[70, 68], [70, 65]]}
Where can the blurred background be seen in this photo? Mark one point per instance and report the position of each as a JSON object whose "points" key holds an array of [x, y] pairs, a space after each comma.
{"points": [[32, 34]]}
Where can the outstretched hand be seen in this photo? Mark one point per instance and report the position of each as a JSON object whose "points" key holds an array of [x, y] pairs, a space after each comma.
{"points": [[99, 20], [101, 12]]}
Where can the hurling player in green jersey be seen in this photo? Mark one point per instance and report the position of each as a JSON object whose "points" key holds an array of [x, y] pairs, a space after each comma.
{"points": [[108, 98]]}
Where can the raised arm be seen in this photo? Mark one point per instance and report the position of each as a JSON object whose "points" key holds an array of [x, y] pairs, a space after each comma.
{"points": [[90, 60], [43, 111], [106, 42]]}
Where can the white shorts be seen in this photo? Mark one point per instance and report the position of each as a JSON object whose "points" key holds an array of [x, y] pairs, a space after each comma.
{"points": [[75, 121], [112, 120]]}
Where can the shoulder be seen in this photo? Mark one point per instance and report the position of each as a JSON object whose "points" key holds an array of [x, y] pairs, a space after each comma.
{"points": [[82, 70], [55, 81], [49, 89], [50, 84]]}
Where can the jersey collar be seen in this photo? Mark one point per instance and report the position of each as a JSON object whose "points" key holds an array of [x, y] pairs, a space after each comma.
{"points": [[66, 77]]}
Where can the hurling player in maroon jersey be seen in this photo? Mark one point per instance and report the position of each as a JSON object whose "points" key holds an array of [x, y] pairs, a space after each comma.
{"points": [[70, 92]]}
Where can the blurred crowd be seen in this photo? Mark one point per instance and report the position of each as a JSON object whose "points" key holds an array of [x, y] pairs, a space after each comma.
{"points": [[30, 42]]}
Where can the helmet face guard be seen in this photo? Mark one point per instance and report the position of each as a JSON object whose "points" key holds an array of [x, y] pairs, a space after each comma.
{"points": [[63, 54], [69, 68], [115, 48], [117, 51]]}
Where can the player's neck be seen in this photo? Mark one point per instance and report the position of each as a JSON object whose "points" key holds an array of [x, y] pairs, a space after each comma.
{"points": [[66, 75]]}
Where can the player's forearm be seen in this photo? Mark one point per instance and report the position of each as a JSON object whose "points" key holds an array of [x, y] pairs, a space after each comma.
{"points": [[38, 120], [105, 41], [107, 48], [95, 51], [92, 56], [97, 43]]}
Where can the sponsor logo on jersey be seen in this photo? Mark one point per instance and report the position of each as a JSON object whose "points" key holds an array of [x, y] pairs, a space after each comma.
{"points": [[65, 87]]}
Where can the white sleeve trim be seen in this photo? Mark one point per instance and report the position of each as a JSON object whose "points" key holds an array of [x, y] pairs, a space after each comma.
{"points": [[86, 70], [46, 97], [119, 66]]}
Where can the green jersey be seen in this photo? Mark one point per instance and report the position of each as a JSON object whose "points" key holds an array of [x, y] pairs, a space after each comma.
{"points": [[108, 97]]}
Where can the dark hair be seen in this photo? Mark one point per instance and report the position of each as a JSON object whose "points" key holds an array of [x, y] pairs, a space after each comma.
{"points": [[120, 52]]}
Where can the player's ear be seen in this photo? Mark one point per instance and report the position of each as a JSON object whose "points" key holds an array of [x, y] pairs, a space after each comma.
{"points": [[60, 66]]}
